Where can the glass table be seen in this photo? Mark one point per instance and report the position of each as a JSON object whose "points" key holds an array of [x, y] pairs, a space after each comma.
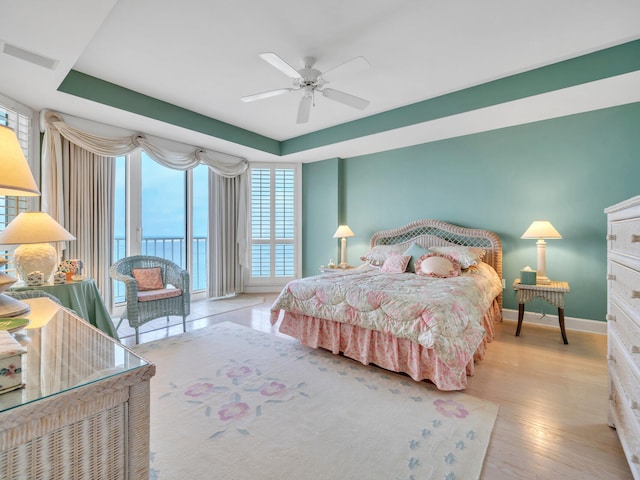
{"points": [[84, 410]]}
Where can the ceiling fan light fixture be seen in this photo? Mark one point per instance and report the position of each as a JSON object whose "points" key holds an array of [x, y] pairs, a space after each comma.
{"points": [[310, 79]]}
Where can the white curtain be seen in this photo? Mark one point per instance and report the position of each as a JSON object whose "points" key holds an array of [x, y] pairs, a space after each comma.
{"points": [[223, 165], [88, 187], [228, 224]]}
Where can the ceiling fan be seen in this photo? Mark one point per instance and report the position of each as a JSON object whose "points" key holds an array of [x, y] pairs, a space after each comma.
{"points": [[310, 81]]}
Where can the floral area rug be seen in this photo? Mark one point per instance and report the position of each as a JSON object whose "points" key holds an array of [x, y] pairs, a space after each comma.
{"points": [[232, 403]]}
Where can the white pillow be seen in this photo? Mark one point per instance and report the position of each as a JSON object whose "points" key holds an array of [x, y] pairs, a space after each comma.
{"points": [[466, 256], [378, 254], [437, 265]]}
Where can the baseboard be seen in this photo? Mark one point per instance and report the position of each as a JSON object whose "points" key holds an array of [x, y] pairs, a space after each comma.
{"points": [[570, 323]]}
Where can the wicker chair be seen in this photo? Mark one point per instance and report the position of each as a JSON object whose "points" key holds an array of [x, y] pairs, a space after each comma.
{"points": [[139, 312]]}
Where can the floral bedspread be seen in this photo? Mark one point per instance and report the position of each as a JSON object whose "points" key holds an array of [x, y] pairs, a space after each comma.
{"points": [[444, 314]]}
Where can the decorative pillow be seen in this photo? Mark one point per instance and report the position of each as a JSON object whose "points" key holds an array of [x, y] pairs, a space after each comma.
{"points": [[378, 254], [416, 251], [466, 256], [395, 263], [437, 265], [148, 278]]}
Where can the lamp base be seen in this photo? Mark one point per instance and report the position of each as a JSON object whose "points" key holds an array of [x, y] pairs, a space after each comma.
{"points": [[542, 280], [35, 257]]}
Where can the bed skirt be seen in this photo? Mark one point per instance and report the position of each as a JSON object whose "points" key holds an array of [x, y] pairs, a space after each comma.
{"points": [[386, 351]]}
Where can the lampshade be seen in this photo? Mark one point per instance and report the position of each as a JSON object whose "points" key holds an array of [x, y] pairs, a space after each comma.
{"points": [[32, 231], [541, 229], [15, 176], [34, 227], [343, 231]]}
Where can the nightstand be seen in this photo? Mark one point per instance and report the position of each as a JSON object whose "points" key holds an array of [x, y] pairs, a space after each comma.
{"points": [[336, 269], [552, 293]]}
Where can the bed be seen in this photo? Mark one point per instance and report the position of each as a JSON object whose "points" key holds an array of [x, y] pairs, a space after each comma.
{"points": [[423, 325]]}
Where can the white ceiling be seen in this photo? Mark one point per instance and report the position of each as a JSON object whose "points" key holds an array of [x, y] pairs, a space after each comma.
{"points": [[203, 56]]}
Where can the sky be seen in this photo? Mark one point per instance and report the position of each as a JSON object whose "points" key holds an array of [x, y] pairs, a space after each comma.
{"points": [[163, 200]]}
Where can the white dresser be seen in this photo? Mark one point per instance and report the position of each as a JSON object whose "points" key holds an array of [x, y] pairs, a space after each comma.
{"points": [[623, 318]]}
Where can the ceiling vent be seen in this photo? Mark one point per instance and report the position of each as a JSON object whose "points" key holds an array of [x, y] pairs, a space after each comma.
{"points": [[28, 56]]}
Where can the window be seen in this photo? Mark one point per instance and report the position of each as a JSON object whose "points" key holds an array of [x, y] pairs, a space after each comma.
{"points": [[161, 212], [274, 225], [20, 119]]}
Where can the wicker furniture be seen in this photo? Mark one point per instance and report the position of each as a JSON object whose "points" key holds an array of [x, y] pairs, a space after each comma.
{"points": [[623, 325], [84, 411], [139, 312], [381, 347], [552, 292]]}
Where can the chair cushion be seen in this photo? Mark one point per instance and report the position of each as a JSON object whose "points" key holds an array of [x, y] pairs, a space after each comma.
{"points": [[148, 278], [150, 295]]}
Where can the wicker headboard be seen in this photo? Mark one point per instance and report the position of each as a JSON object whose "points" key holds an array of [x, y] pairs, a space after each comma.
{"points": [[430, 233]]}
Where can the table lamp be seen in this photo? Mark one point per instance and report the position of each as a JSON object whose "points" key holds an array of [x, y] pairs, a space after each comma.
{"points": [[32, 231], [343, 232], [540, 230], [15, 180]]}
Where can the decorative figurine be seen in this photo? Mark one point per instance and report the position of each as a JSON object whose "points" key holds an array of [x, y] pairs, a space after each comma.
{"points": [[35, 279]]}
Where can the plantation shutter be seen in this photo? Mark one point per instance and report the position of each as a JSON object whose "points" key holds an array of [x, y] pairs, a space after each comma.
{"points": [[272, 223]]}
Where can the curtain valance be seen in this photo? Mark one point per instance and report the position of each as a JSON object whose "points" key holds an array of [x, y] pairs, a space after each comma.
{"points": [[222, 164]]}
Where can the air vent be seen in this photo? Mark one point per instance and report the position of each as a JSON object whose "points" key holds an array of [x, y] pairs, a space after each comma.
{"points": [[28, 56]]}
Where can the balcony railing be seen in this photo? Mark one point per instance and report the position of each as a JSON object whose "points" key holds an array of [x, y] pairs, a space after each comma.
{"points": [[170, 248]]}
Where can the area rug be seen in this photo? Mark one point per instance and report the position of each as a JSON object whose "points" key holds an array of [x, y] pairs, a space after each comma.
{"points": [[199, 309], [232, 403]]}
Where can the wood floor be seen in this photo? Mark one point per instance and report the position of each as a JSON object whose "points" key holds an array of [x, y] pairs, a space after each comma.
{"points": [[552, 419]]}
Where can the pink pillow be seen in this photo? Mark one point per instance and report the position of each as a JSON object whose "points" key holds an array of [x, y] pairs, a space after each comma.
{"points": [[395, 263], [437, 265], [148, 278]]}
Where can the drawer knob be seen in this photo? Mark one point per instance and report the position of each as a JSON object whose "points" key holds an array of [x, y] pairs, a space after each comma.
{"points": [[611, 358], [635, 349], [611, 276], [635, 238], [611, 236], [635, 293], [634, 459], [611, 318], [635, 405]]}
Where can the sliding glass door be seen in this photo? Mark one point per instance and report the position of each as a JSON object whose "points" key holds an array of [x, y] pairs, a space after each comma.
{"points": [[161, 212]]}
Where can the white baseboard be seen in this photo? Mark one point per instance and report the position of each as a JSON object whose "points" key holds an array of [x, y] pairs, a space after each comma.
{"points": [[570, 323]]}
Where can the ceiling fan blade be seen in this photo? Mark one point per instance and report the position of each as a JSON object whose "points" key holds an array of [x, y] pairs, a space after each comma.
{"points": [[280, 64], [346, 98], [350, 67], [304, 109], [270, 93]]}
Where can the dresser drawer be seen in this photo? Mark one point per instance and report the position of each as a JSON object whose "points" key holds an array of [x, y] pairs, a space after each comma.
{"points": [[626, 427], [621, 368], [624, 283], [624, 237], [626, 330]]}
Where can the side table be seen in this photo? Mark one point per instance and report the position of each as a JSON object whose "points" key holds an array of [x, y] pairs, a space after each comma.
{"points": [[552, 293], [82, 297], [336, 269]]}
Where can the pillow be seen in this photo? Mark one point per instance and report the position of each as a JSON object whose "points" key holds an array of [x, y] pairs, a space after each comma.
{"points": [[378, 254], [466, 256], [148, 278], [437, 265], [416, 251], [395, 263]]}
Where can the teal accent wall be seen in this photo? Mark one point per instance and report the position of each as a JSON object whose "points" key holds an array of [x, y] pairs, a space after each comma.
{"points": [[566, 170], [320, 214]]}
